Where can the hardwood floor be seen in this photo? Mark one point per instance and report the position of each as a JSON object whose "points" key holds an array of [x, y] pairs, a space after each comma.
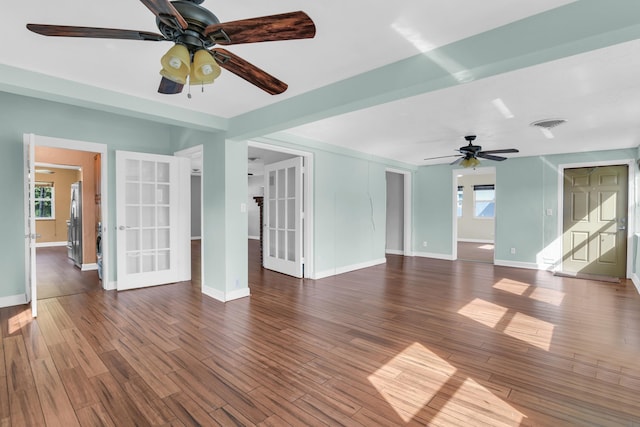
{"points": [[479, 252], [57, 276], [414, 342]]}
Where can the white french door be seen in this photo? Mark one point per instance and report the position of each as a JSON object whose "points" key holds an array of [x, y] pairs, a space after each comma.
{"points": [[30, 223], [153, 213], [283, 217]]}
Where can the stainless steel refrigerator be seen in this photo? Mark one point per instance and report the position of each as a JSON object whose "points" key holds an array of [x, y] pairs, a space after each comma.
{"points": [[74, 232]]}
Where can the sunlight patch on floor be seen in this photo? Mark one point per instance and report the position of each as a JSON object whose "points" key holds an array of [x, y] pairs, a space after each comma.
{"points": [[475, 405], [17, 321], [486, 247], [422, 375], [484, 312], [549, 296], [531, 330]]}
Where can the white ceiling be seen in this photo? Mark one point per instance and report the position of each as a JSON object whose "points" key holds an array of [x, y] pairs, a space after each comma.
{"points": [[596, 91]]}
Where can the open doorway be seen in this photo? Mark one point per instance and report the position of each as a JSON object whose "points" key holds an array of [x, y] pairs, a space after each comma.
{"points": [[475, 214], [90, 161], [261, 158], [68, 211]]}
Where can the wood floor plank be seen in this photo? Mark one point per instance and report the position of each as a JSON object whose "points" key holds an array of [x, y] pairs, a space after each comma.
{"points": [[25, 408], [19, 375], [79, 389], [116, 402], [94, 416], [56, 407], [87, 358], [188, 411]]}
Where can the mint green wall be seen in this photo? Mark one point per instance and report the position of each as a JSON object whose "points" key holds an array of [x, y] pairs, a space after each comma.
{"points": [[433, 210], [350, 211], [30, 115]]}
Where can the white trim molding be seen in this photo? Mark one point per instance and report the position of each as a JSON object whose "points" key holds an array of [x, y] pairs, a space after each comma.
{"points": [[518, 264], [476, 241], [394, 252], [636, 281], [348, 268], [226, 296], [446, 257], [50, 244], [12, 300], [254, 237], [89, 267]]}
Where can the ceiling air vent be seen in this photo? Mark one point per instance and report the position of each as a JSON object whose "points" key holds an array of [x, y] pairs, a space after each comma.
{"points": [[548, 123]]}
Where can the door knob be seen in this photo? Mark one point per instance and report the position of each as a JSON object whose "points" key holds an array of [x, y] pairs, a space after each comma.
{"points": [[122, 227]]}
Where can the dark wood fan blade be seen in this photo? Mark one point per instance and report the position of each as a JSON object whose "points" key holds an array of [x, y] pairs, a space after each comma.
{"points": [[93, 32], [484, 155], [442, 157], [286, 26], [248, 71], [169, 87], [165, 11], [506, 150]]}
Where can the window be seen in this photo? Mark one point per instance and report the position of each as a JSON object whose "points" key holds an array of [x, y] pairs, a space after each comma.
{"points": [[484, 200], [44, 200], [460, 193]]}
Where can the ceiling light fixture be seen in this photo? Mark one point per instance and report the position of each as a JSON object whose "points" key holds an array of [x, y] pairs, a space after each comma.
{"points": [[469, 162], [177, 65]]}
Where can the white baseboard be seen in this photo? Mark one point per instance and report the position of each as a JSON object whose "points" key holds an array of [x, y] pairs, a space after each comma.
{"points": [[446, 257], [111, 286], [50, 244], [254, 237], [89, 267], [196, 238], [636, 281], [394, 251], [225, 296], [519, 264], [13, 300], [476, 241], [348, 268]]}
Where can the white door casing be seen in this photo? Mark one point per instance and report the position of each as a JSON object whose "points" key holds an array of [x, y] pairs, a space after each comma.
{"points": [[30, 223], [283, 217], [153, 212]]}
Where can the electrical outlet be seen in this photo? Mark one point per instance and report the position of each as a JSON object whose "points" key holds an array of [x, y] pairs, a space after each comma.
{"points": [[424, 244], [513, 250]]}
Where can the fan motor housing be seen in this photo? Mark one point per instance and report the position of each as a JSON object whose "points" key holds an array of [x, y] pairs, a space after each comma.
{"points": [[198, 18]]}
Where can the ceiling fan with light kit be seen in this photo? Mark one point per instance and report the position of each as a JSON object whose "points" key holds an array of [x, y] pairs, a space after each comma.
{"points": [[468, 157], [194, 31]]}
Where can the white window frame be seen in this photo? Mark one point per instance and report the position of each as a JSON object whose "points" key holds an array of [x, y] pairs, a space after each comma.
{"points": [[43, 199], [475, 201], [460, 201]]}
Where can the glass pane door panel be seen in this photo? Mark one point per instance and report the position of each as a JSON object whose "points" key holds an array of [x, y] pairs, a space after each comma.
{"points": [[164, 238], [162, 194], [291, 245], [272, 214], [148, 171], [281, 214], [132, 195], [148, 262], [133, 263], [133, 240], [148, 239], [133, 170], [164, 260], [148, 216], [163, 216], [133, 216], [291, 182], [272, 185], [282, 244], [281, 183], [163, 172], [148, 195], [291, 214], [272, 243]]}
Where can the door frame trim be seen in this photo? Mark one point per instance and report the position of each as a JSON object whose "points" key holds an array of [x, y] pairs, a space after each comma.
{"points": [[631, 211], [307, 196], [92, 147]]}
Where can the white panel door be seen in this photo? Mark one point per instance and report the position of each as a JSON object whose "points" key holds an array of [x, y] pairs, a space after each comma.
{"points": [[151, 217], [30, 223], [283, 217]]}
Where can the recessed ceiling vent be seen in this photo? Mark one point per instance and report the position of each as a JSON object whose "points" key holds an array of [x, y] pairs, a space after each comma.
{"points": [[548, 123]]}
